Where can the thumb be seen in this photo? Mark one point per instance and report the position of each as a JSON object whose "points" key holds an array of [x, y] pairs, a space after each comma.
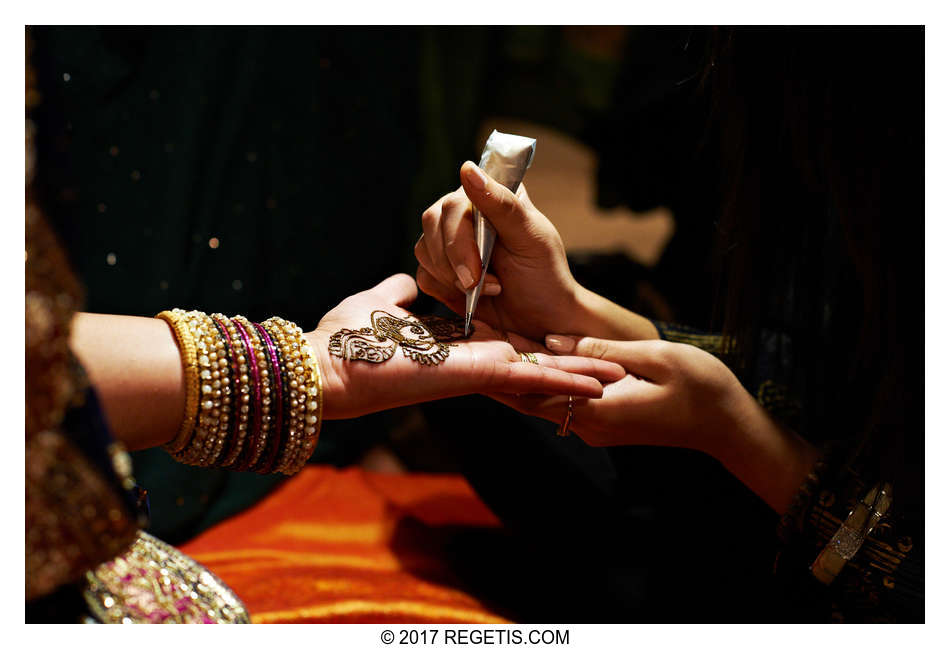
{"points": [[514, 217], [641, 357], [399, 289]]}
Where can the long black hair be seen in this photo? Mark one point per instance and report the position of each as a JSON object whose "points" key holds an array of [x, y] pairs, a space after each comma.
{"points": [[820, 232]]}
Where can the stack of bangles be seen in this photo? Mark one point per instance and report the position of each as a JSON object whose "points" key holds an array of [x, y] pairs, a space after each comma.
{"points": [[253, 393]]}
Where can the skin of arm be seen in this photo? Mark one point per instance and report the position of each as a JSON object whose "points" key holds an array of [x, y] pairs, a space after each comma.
{"points": [[598, 317], [135, 366], [768, 458]]}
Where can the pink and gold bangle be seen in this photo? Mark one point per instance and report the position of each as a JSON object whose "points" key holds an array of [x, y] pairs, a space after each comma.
{"points": [[265, 373], [277, 375], [254, 446], [189, 362]]}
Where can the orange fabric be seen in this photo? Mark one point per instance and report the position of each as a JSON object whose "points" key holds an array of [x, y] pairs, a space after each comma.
{"points": [[349, 546]]}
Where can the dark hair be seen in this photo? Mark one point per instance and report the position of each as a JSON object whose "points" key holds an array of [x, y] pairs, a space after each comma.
{"points": [[821, 227]]}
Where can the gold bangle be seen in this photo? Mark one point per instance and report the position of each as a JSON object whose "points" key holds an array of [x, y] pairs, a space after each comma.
{"points": [[189, 363], [239, 382], [293, 425], [314, 366], [851, 535], [206, 441]]}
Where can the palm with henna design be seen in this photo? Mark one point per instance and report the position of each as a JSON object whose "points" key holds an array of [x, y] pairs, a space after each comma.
{"points": [[482, 363]]}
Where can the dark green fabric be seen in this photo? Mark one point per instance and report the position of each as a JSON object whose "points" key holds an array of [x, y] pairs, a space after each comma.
{"points": [[309, 153]]}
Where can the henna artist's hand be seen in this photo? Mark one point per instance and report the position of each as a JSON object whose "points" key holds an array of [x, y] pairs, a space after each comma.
{"points": [[531, 286], [680, 395], [407, 364], [531, 289]]}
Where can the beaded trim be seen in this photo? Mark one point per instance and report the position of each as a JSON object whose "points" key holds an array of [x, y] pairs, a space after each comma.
{"points": [[152, 582]]}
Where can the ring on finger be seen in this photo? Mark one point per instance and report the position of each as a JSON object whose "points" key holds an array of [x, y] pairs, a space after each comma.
{"points": [[529, 357], [565, 428]]}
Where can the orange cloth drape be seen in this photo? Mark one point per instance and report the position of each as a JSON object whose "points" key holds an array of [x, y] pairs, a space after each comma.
{"points": [[349, 546]]}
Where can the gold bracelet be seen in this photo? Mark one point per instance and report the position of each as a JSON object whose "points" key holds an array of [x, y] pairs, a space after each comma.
{"points": [[314, 403], [189, 362], [207, 440], [235, 386], [261, 398], [851, 535]]}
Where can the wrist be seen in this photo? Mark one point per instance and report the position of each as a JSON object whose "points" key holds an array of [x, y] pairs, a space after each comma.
{"points": [[595, 315], [768, 457], [329, 384]]}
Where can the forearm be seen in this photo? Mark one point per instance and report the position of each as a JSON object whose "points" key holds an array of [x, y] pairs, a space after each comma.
{"points": [[135, 366], [769, 459], [598, 317]]}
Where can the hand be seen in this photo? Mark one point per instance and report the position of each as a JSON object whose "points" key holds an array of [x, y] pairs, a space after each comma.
{"points": [[680, 395], [672, 395], [480, 364], [532, 286]]}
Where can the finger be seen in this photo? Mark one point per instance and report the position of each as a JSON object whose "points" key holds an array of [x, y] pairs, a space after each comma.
{"points": [[399, 289], [603, 371], [514, 223], [447, 295], [421, 251], [641, 357], [523, 196], [490, 288], [527, 378], [432, 238], [552, 408], [522, 344], [458, 240]]}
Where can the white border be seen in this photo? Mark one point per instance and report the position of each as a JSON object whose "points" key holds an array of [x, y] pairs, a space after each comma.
{"points": [[495, 12]]}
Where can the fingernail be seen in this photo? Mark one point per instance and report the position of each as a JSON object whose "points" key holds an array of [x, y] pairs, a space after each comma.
{"points": [[491, 289], [465, 275], [561, 344], [477, 177]]}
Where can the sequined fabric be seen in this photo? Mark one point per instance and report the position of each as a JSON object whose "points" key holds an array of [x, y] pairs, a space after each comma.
{"points": [[80, 512], [74, 517], [153, 583]]}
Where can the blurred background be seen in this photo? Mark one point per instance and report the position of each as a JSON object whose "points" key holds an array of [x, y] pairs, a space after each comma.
{"points": [[279, 170]]}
